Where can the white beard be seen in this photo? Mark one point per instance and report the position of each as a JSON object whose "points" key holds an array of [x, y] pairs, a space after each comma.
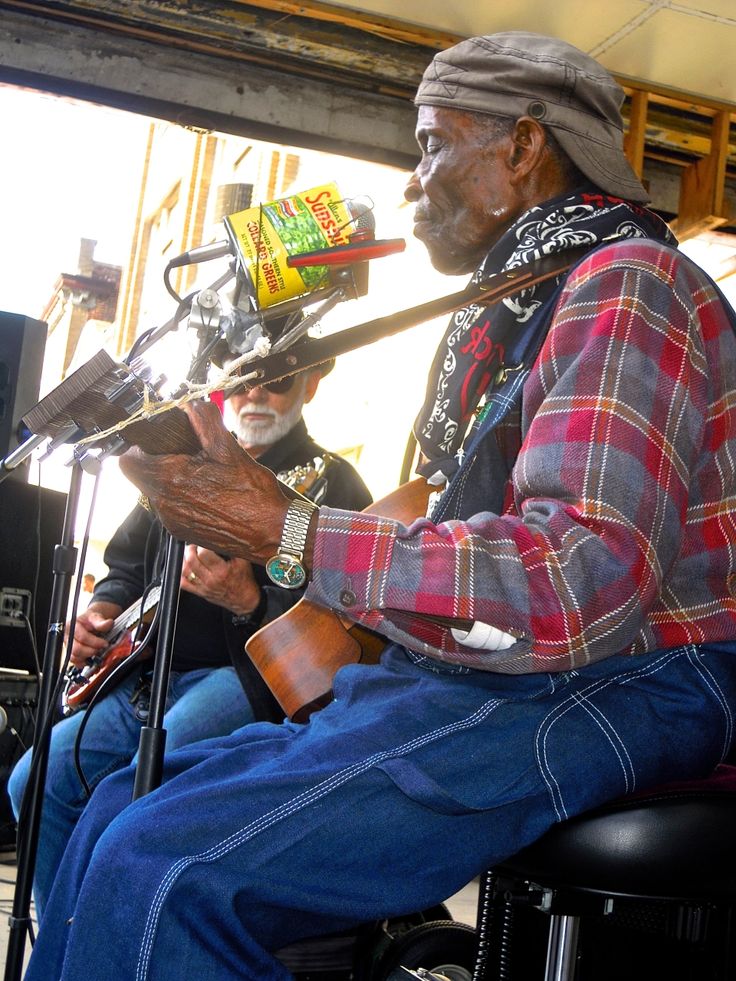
{"points": [[264, 433]]}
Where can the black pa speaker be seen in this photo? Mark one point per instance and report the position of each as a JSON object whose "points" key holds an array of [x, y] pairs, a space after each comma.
{"points": [[31, 524], [22, 347], [18, 703]]}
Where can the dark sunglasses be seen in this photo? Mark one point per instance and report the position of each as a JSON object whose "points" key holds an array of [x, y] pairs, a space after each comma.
{"points": [[279, 387]]}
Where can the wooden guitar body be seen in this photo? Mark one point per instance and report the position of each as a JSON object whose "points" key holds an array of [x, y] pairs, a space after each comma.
{"points": [[299, 653], [80, 683], [81, 687]]}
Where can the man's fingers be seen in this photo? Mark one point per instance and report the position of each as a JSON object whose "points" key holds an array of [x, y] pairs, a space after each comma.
{"points": [[209, 559], [96, 621], [209, 428]]}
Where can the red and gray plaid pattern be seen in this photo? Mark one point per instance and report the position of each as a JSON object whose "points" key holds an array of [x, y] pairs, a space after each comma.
{"points": [[619, 530]]}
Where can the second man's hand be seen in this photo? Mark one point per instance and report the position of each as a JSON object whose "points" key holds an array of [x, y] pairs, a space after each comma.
{"points": [[228, 583]]}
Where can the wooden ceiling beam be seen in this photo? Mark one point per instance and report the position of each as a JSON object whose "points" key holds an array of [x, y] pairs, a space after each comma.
{"points": [[386, 27]]}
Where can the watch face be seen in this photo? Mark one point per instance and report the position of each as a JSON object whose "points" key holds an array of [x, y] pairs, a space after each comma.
{"points": [[286, 571]]}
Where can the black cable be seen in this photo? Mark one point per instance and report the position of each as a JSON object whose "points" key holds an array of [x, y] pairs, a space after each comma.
{"points": [[167, 282], [182, 309], [26, 715], [203, 356], [108, 684], [32, 638]]}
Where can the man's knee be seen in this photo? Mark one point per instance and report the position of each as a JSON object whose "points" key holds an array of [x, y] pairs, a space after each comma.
{"points": [[17, 782]]}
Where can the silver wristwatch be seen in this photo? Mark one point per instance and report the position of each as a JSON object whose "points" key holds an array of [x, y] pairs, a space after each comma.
{"points": [[286, 568]]}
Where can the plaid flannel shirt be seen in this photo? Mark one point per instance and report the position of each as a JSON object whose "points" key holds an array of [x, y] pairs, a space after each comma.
{"points": [[618, 533]]}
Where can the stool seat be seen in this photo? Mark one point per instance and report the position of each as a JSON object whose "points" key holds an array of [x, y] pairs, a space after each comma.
{"points": [[676, 842]]}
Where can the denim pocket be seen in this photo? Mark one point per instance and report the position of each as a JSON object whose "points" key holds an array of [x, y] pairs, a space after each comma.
{"points": [[416, 784]]}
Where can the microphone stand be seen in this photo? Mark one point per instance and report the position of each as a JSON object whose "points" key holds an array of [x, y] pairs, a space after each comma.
{"points": [[63, 567], [152, 744], [149, 769]]}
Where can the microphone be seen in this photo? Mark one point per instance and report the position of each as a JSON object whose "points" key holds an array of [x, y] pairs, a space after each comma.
{"points": [[202, 253], [313, 246], [360, 215]]}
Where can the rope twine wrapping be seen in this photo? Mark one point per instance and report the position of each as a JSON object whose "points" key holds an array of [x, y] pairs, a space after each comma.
{"points": [[225, 381]]}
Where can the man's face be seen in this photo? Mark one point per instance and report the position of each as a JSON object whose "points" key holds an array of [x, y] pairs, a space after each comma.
{"points": [[464, 200], [259, 417]]}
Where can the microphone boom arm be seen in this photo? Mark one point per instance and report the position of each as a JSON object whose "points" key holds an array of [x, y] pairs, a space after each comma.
{"points": [[316, 351]]}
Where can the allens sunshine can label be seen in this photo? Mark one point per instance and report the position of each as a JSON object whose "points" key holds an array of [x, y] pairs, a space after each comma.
{"points": [[267, 235]]}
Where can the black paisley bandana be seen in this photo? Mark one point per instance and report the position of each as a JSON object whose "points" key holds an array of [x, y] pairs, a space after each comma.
{"points": [[470, 353]]}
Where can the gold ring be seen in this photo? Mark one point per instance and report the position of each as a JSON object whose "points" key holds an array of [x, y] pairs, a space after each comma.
{"points": [[192, 577]]}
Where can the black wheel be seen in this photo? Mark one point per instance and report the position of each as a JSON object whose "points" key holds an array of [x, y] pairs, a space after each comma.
{"points": [[443, 946]]}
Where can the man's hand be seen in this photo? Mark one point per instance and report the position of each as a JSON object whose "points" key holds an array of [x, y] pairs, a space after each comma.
{"points": [[219, 498], [89, 628], [230, 584]]}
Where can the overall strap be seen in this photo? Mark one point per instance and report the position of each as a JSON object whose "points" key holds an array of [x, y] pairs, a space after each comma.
{"points": [[519, 359]]}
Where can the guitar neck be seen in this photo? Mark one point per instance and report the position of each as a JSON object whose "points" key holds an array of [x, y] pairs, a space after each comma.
{"points": [[134, 613]]}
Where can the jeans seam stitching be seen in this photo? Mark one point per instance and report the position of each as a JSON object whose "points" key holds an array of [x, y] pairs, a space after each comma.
{"points": [[283, 811]]}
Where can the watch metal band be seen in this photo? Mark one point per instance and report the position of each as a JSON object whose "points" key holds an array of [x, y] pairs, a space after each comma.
{"points": [[296, 526]]}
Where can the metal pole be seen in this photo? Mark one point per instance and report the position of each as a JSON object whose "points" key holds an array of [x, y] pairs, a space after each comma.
{"points": [[64, 565]]}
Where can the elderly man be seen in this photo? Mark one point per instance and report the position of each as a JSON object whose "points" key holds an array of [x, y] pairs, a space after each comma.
{"points": [[213, 688], [562, 625]]}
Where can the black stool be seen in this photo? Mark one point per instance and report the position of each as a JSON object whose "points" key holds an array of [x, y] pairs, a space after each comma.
{"points": [[675, 846]]}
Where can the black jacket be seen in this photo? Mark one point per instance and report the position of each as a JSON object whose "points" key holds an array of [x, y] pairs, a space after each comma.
{"points": [[207, 635]]}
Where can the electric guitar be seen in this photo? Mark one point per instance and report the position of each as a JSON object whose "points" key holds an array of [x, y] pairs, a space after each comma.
{"points": [[80, 683]]}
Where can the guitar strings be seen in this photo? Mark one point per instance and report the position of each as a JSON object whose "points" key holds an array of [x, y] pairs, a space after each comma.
{"points": [[152, 406]]}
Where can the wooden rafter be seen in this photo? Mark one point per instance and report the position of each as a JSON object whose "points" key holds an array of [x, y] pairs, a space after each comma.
{"points": [[387, 27]]}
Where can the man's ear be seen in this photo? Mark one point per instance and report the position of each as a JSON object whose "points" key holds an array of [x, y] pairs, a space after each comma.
{"points": [[528, 143], [313, 380]]}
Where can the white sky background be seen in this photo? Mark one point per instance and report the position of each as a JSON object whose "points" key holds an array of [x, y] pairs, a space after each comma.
{"points": [[65, 174]]}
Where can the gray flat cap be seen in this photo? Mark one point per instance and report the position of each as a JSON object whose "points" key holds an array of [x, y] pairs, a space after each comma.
{"points": [[521, 74]]}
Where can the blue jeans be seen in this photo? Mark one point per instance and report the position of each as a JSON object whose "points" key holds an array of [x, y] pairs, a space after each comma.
{"points": [[389, 800], [200, 704]]}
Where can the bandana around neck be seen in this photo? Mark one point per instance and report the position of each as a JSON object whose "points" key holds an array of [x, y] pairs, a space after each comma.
{"points": [[471, 351]]}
